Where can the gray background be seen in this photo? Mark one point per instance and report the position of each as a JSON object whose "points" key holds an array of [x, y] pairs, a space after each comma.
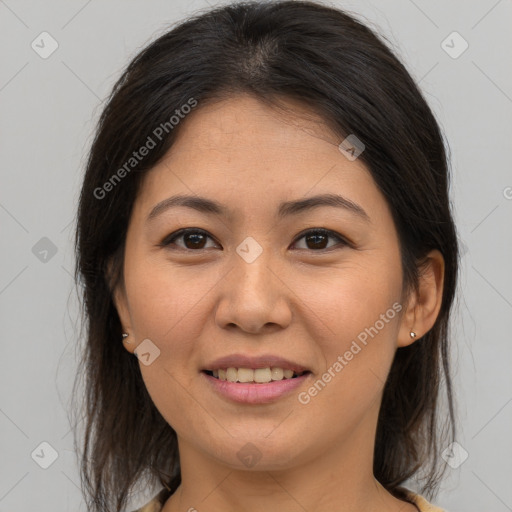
{"points": [[48, 110]]}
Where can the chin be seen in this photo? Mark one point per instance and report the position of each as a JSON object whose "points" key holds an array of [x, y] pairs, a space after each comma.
{"points": [[258, 453]]}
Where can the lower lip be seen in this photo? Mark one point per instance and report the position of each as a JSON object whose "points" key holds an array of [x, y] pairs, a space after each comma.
{"points": [[255, 393]]}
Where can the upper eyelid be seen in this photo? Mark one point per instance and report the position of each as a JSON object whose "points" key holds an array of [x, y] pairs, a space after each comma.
{"points": [[181, 232]]}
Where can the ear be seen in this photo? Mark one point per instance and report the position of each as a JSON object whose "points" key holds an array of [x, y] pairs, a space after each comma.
{"points": [[121, 303], [424, 304]]}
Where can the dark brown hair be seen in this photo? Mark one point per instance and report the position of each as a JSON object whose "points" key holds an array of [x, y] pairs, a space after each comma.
{"points": [[338, 68]]}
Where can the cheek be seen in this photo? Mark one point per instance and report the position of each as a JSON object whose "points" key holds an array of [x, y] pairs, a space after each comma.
{"points": [[165, 307], [349, 299], [360, 312], [165, 304]]}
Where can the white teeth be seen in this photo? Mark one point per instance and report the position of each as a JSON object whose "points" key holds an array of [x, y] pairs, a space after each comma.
{"points": [[245, 375], [259, 375], [277, 373], [232, 374], [262, 375]]}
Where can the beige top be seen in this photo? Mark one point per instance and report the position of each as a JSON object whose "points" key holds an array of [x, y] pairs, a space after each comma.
{"points": [[155, 505]]}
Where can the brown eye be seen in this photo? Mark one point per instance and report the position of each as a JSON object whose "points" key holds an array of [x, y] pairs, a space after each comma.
{"points": [[196, 240], [317, 239], [193, 239]]}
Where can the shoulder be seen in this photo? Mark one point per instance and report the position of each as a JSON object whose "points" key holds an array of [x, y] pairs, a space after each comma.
{"points": [[156, 504], [421, 503], [153, 506]]}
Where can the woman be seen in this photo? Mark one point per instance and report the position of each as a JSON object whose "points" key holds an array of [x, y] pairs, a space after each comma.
{"points": [[268, 261]]}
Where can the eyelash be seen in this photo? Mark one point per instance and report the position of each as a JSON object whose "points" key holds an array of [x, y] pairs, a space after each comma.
{"points": [[168, 240]]}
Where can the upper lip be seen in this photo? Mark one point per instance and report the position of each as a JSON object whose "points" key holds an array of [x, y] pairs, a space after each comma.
{"points": [[262, 361]]}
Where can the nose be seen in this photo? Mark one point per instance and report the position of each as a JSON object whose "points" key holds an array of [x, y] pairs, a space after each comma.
{"points": [[253, 296]]}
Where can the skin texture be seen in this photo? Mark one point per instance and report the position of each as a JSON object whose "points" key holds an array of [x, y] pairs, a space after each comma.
{"points": [[297, 301]]}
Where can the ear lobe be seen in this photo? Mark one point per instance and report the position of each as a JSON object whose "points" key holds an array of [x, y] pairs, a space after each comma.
{"points": [[121, 304], [425, 303]]}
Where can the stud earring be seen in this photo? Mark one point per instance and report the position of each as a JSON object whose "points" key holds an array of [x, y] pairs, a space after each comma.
{"points": [[124, 338], [412, 334]]}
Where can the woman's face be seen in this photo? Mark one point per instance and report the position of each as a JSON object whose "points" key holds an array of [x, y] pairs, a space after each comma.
{"points": [[259, 280]]}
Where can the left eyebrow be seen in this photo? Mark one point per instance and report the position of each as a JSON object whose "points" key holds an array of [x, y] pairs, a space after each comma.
{"points": [[205, 205]]}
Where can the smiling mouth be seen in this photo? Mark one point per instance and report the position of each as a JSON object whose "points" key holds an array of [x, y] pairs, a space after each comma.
{"points": [[254, 376]]}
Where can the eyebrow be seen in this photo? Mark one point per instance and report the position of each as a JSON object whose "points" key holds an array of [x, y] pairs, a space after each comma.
{"points": [[209, 206]]}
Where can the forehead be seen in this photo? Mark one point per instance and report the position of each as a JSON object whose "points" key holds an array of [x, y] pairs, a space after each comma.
{"points": [[243, 122], [241, 150]]}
